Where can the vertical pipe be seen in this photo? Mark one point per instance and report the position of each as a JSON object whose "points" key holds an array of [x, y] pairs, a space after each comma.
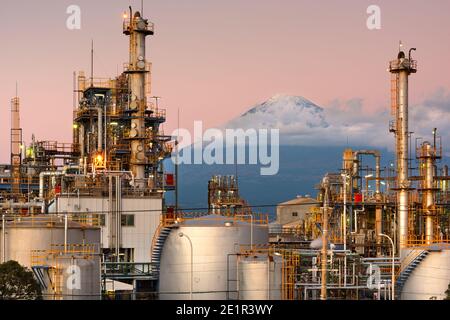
{"points": [[65, 232], [251, 231], [428, 196], [323, 291], [100, 130], [345, 211], [345, 228], [118, 216], [378, 227], [111, 217], [92, 63], [3, 239]]}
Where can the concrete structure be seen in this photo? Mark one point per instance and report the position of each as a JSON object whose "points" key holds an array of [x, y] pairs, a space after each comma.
{"points": [[295, 210], [139, 218]]}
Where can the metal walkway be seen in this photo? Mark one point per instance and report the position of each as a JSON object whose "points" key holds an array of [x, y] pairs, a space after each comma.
{"points": [[128, 271]]}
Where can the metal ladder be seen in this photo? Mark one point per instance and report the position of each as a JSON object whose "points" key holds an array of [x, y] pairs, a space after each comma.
{"points": [[158, 247], [407, 271]]}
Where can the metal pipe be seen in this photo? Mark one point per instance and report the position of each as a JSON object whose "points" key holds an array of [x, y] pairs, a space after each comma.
{"points": [[42, 176], [111, 215], [378, 227], [344, 176], [118, 216], [428, 194], [181, 235], [323, 291], [345, 227], [268, 277], [393, 264], [356, 218], [100, 130], [444, 182], [65, 232], [377, 156], [3, 239]]}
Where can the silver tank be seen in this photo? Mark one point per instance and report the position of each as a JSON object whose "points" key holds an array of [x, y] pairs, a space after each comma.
{"points": [[39, 242], [26, 234], [260, 277], [215, 241], [77, 277], [430, 279]]}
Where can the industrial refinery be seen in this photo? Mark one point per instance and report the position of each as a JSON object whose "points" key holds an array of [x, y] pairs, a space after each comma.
{"points": [[96, 209]]}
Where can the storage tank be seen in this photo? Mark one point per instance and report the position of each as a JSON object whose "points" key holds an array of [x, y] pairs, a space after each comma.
{"points": [[260, 277], [24, 234], [72, 276], [430, 279], [215, 242], [37, 242]]}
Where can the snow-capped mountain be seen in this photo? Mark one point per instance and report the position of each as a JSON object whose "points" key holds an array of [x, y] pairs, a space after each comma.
{"points": [[302, 122], [284, 112]]}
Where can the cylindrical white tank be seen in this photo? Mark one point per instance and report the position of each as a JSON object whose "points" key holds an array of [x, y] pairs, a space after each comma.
{"points": [[215, 242], [79, 280], [260, 277], [430, 279], [25, 236]]}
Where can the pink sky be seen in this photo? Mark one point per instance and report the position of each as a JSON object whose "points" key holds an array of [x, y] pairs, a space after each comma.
{"points": [[215, 59]]}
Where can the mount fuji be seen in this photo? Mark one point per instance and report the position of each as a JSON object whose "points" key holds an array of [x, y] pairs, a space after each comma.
{"points": [[312, 140]]}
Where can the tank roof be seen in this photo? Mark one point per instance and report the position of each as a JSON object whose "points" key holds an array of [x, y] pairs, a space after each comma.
{"points": [[45, 222], [213, 220]]}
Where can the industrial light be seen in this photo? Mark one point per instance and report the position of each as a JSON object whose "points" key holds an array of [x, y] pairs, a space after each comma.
{"points": [[369, 176], [125, 16], [75, 126], [383, 183], [114, 124]]}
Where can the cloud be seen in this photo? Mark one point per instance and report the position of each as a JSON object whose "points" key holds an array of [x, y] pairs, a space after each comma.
{"points": [[344, 122]]}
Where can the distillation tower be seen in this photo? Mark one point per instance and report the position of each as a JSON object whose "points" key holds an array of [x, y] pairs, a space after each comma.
{"points": [[402, 68]]}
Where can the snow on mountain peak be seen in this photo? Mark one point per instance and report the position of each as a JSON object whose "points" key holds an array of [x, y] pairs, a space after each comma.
{"points": [[282, 112]]}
